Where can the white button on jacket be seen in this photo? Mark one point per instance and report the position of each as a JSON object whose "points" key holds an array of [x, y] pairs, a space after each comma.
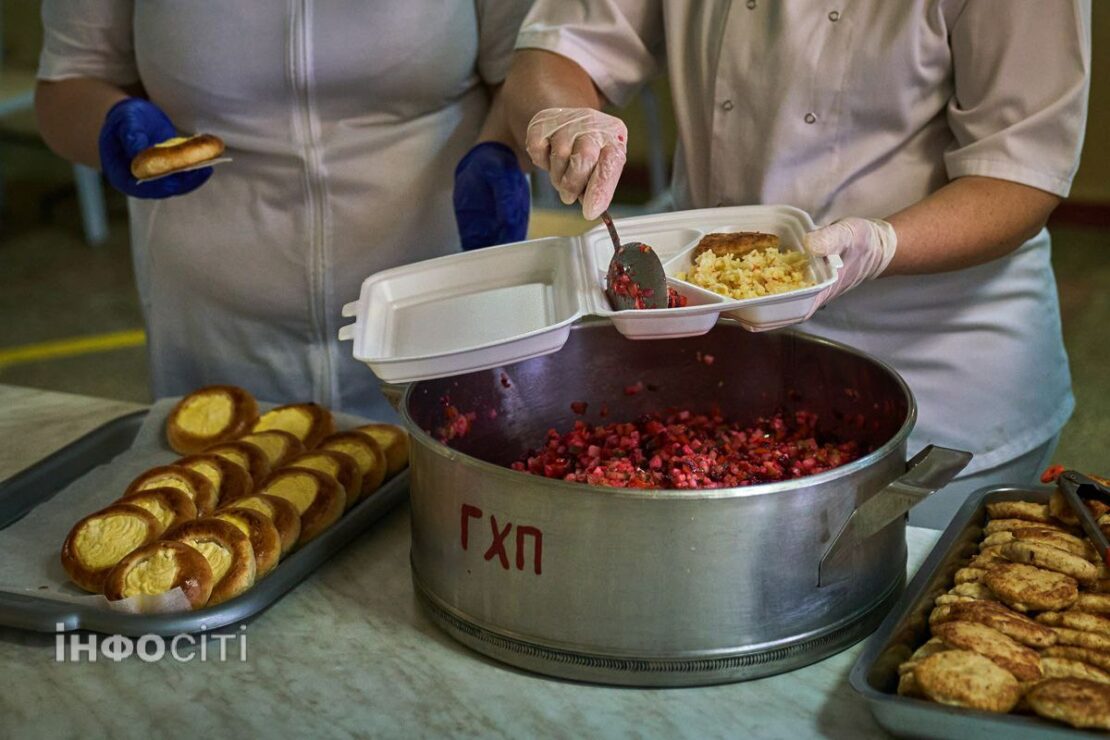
{"points": [[863, 116], [345, 121]]}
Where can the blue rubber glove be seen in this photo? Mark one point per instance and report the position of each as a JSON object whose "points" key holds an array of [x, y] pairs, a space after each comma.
{"points": [[131, 126], [491, 197]]}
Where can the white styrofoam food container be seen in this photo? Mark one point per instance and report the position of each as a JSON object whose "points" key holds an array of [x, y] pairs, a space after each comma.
{"points": [[490, 307]]}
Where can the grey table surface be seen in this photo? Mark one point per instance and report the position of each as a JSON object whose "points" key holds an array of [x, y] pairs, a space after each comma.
{"points": [[348, 653]]}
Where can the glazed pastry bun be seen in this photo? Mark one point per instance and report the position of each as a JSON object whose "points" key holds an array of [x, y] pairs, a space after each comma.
{"points": [[208, 416], [195, 485], [308, 422], [230, 480], [160, 567], [394, 442], [338, 465], [99, 541], [366, 452], [262, 533], [178, 153], [282, 513], [318, 498], [170, 506], [227, 550], [276, 444], [247, 456]]}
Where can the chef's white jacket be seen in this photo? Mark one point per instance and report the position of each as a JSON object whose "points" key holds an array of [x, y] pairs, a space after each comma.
{"points": [[861, 108], [345, 120]]}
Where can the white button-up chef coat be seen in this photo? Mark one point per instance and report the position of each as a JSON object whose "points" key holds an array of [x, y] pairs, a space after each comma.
{"points": [[861, 108], [345, 120]]}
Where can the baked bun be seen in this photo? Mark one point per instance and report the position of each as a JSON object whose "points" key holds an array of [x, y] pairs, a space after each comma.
{"points": [[366, 452], [99, 541], [284, 515], [265, 541], [230, 480], [338, 465], [158, 568], [737, 244], [178, 153], [227, 550], [198, 488], [394, 442], [278, 445], [208, 416], [308, 422], [170, 506], [319, 499], [247, 456]]}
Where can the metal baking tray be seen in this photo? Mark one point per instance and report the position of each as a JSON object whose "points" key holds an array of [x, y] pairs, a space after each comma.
{"points": [[22, 492], [875, 673]]}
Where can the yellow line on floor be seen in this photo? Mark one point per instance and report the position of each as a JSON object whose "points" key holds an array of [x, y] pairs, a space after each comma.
{"points": [[71, 347]]}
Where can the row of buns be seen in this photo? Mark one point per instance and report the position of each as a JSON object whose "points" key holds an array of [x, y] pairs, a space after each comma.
{"points": [[249, 489]]}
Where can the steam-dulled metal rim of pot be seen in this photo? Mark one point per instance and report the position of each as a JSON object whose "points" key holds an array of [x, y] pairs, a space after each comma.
{"points": [[656, 494]]}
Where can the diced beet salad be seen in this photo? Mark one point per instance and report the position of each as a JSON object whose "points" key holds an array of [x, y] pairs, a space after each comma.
{"points": [[687, 450], [622, 285]]}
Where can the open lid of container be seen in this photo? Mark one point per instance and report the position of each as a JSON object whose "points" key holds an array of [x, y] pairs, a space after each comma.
{"points": [[495, 306]]}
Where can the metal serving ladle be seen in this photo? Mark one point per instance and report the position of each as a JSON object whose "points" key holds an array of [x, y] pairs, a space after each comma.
{"points": [[646, 283]]}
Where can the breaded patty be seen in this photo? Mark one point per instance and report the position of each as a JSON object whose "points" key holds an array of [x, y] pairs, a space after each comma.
{"points": [[1051, 558], [1056, 538], [1056, 667], [1027, 510], [1027, 588], [963, 678], [995, 615], [1075, 701], [738, 243], [1003, 651]]}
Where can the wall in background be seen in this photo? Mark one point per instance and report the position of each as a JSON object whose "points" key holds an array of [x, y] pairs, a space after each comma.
{"points": [[1092, 184]]}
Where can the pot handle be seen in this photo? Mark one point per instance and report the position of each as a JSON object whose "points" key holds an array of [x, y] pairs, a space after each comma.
{"points": [[393, 393], [929, 470]]}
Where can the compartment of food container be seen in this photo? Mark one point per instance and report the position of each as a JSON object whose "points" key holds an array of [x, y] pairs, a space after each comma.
{"points": [[790, 225], [662, 235], [469, 311]]}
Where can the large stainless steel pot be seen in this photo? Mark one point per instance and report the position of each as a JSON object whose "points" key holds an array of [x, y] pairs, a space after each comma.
{"points": [[664, 587]]}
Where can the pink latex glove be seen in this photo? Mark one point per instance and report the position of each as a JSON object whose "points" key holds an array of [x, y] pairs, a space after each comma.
{"points": [[583, 151], [865, 246]]}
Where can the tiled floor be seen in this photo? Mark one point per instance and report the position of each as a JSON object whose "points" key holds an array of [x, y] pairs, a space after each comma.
{"points": [[54, 287]]}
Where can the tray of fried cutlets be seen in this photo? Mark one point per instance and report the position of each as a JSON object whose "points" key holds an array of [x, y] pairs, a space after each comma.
{"points": [[1003, 632], [192, 515]]}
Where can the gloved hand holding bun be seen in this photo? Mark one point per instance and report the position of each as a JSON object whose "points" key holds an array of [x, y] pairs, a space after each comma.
{"points": [[132, 126]]}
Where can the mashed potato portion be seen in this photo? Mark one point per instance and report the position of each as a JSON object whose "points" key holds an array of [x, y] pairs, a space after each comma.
{"points": [[757, 273]]}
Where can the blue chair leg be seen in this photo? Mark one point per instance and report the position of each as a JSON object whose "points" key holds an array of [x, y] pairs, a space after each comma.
{"points": [[90, 197]]}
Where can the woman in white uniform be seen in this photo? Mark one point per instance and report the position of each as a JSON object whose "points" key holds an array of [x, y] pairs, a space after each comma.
{"points": [[344, 121], [935, 136]]}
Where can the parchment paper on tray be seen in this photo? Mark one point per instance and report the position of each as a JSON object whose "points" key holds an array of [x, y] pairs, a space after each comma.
{"points": [[31, 547]]}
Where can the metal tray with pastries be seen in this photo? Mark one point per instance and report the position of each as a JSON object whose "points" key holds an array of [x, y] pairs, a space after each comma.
{"points": [[978, 633]]}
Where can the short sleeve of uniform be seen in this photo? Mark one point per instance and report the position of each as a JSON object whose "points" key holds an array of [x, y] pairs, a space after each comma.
{"points": [[498, 24], [1022, 75], [88, 38], [617, 42]]}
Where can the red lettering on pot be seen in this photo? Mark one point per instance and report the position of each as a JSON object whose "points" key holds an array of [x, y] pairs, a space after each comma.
{"points": [[468, 512], [537, 548], [497, 547]]}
